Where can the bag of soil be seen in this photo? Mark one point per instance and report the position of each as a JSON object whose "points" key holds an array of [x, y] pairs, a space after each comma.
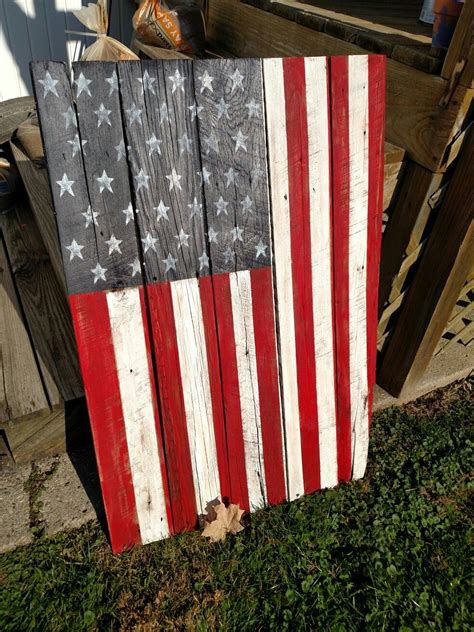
{"points": [[172, 24]]}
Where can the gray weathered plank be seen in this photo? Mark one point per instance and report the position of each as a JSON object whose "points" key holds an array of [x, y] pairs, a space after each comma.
{"points": [[229, 96], [66, 172], [107, 173], [157, 99]]}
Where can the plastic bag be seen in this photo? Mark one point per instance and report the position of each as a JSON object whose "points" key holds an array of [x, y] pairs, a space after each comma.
{"points": [[172, 24], [95, 17]]}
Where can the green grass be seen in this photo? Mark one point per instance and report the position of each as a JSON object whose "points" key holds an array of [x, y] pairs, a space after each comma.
{"points": [[388, 553]]}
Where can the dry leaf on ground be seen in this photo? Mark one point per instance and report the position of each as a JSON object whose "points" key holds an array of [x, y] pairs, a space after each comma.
{"points": [[227, 521]]}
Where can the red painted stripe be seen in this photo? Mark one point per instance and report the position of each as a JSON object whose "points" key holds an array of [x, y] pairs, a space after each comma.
{"points": [[158, 427], [267, 375], [340, 206], [230, 390], [96, 355], [173, 415], [298, 188], [377, 68], [213, 362]]}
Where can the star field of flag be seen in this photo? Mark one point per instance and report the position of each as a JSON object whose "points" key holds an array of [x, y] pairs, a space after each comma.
{"points": [[220, 224]]}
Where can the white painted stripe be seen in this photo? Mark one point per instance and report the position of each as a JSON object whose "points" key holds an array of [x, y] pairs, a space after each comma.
{"points": [[278, 161], [126, 322], [241, 294], [196, 390], [358, 204], [321, 265]]}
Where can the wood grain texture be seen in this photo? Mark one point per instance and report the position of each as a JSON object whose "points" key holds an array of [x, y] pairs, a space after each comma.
{"points": [[37, 186], [278, 164], [163, 141], [23, 388], [412, 96], [428, 305], [44, 306], [59, 130], [101, 132], [236, 184]]}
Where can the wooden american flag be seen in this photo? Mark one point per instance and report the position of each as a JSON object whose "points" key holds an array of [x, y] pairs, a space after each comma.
{"points": [[220, 226]]}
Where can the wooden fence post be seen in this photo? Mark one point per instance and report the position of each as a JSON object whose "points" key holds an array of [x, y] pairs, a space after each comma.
{"points": [[437, 284]]}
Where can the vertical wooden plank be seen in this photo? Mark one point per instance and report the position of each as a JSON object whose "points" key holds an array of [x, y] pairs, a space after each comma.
{"points": [[23, 388], [341, 204], [100, 133], [230, 111], [71, 199]]}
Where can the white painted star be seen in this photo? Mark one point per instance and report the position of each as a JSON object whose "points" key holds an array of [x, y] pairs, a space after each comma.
{"points": [[99, 273], [240, 141], [65, 185], [174, 179], [141, 180], [90, 216], [128, 212], [212, 142], [153, 145], [135, 267], [103, 115], [83, 85], [247, 204], [185, 144], [257, 174], [120, 148], [204, 175], [76, 145], [222, 109], [195, 110], [75, 250], [182, 238], [253, 109], [134, 114], [206, 81], [49, 85], [195, 208], [231, 175], [236, 233], [162, 211], [203, 261], [177, 80], [163, 113], [228, 254], [261, 249], [237, 79], [105, 182], [212, 234], [147, 82], [114, 244], [113, 83], [170, 263], [149, 242], [221, 206], [70, 117]]}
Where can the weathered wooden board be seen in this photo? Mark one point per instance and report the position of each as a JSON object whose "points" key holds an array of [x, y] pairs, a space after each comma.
{"points": [[218, 358]]}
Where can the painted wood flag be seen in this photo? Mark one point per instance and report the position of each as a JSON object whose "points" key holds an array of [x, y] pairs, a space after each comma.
{"points": [[220, 226]]}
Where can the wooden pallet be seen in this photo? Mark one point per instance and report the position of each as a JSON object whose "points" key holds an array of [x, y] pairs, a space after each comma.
{"points": [[40, 379]]}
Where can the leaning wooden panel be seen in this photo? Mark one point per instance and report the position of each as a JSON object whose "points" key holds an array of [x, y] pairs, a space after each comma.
{"points": [[241, 254]]}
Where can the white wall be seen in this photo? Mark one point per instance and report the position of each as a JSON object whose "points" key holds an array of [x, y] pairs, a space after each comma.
{"points": [[34, 29]]}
